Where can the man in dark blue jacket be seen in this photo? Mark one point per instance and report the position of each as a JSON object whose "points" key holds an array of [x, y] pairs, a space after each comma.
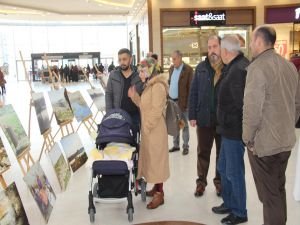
{"points": [[202, 112], [230, 165]]}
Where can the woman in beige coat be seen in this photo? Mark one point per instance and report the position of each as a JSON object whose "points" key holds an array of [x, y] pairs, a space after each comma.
{"points": [[153, 162]]}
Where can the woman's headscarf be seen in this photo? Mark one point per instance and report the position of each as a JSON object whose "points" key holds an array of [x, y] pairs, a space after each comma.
{"points": [[151, 65]]}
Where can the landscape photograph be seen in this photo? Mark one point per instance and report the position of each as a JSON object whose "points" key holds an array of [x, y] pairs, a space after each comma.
{"points": [[41, 111], [79, 106], [4, 160], [13, 129], [11, 208], [60, 165], [98, 98], [61, 108], [74, 151]]}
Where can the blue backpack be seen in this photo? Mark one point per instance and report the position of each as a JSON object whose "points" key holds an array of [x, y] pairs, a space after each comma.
{"points": [[116, 126]]}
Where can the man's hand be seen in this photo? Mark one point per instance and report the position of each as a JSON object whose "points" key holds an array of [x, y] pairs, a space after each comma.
{"points": [[193, 123]]}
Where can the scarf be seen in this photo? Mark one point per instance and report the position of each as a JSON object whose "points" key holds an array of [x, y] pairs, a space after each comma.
{"points": [[218, 71]]}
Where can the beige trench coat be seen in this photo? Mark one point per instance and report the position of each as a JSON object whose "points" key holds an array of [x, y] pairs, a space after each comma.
{"points": [[153, 162]]}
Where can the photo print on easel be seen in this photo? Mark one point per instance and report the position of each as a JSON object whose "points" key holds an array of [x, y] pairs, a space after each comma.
{"points": [[79, 106], [61, 108], [13, 129], [11, 208], [4, 160], [60, 165], [41, 190], [74, 150], [41, 111], [98, 98]]}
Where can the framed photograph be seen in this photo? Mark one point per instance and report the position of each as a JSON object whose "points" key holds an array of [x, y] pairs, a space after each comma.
{"points": [[60, 165], [13, 129], [4, 160], [41, 190], [61, 106], [79, 106], [41, 111], [98, 98], [74, 150], [11, 208]]}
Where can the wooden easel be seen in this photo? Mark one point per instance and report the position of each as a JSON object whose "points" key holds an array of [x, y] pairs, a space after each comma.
{"points": [[89, 123], [65, 125], [48, 142], [25, 158], [2, 181]]}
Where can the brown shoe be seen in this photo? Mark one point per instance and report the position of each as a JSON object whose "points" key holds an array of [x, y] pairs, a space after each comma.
{"points": [[158, 199], [151, 192], [199, 190]]}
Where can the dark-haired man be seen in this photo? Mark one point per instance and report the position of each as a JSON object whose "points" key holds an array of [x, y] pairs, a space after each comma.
{"points": [[119, 81], [271, 109], [202, 112]]}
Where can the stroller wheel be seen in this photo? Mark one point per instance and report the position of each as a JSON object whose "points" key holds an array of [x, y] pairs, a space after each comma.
{"points": [[92, 215], [130, 214], [143, 190], [95, 190]]}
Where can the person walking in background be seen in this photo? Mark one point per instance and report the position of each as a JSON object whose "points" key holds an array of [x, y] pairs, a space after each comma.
{"points": [[67, 73], [230, 95], [153, 163], [202, 112], [180, 78], [111, 67], [271, 110], [2, 82]]}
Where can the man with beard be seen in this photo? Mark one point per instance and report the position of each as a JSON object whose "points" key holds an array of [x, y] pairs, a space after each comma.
{"points": [[119, 81], [202, 112]]}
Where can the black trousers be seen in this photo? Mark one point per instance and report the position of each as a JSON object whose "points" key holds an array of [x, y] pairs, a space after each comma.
{"points": [[269, 177], [206, 137]]}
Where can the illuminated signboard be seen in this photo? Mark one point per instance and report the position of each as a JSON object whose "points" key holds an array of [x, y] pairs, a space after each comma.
{"points": [[208, 18]]}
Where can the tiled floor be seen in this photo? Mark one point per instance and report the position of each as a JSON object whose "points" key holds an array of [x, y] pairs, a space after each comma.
{"points": [[180, 204]]}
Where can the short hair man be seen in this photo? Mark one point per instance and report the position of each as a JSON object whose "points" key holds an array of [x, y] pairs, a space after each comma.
{"points": [[230, 165], [180, 78], [119, 81], [202, 112], [271, 109]]}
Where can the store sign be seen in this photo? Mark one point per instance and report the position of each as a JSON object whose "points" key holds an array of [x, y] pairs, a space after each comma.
{"points": [[281, 47], [282, 14], [208, 18], [297, 13]]}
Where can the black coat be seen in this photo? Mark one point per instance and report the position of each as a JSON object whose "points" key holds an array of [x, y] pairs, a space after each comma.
{"points": [[230, 94], [202, 95]]}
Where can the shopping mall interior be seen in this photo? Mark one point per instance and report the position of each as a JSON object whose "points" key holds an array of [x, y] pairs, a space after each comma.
{"points": [[49, 121]]}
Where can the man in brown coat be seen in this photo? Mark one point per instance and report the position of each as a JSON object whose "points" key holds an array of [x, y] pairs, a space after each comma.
{"points": [[271, 109], [180, 78]]}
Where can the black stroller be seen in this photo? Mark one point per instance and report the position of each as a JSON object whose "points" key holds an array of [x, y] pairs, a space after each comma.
{"points": [[115, 180]]}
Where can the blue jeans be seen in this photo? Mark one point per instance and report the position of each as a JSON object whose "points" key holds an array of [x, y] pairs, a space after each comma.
{"points": [[232, 170], [185, 133]]}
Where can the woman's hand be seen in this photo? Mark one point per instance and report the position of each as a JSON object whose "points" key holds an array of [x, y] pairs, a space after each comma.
{"points": [[131, 91]]}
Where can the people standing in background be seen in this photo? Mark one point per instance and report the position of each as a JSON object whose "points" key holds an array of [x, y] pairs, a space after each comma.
{"points": [[61, 73], [159, 68], [101, 68], [180, 78], [111, 67], [2, 82], [271, 110], [202, 112], [67, 73], [230, 95], [88, 70]]}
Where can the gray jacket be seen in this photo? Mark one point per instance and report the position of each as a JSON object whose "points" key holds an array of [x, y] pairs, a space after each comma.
{"points": [[115, 85], [271, 104]]}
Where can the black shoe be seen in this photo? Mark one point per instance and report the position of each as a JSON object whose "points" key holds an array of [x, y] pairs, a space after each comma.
{"points": [[232, 219], [221, 209], [174, 149], [185, 151]]}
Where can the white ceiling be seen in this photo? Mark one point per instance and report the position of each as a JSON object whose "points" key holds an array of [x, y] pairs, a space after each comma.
{"points": [[106, 11]]}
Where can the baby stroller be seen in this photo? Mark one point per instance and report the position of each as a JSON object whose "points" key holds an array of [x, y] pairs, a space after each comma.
{"points": [[115, 178]]}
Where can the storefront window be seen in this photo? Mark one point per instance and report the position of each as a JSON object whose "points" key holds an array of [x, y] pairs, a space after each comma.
{"points": [[192, 42]]}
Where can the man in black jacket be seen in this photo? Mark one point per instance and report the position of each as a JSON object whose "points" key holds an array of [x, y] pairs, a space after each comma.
{"points": [[119, 81], [202, 112], [230, 165]]}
